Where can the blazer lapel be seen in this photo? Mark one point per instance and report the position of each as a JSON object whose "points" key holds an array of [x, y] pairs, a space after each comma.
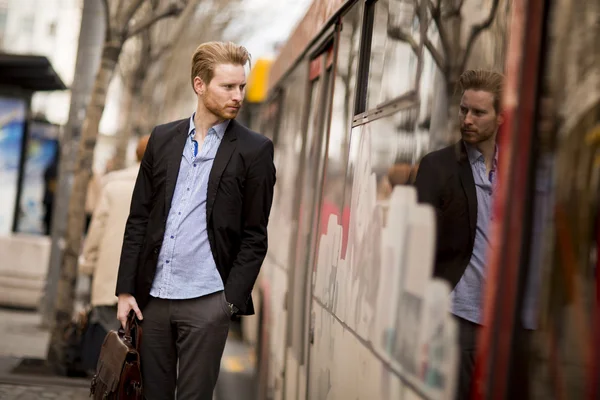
{"points": [[222, 158], [174, 154], [468, 184]]}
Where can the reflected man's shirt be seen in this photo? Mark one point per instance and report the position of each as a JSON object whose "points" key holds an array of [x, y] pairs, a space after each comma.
{"points": [[186, 268], [467, 295]]}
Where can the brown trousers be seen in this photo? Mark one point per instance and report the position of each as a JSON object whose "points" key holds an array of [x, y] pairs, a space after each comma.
{"points": [[182, 346]]}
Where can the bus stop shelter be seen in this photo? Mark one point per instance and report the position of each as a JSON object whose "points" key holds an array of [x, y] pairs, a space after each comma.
{"points": [[27, 146]]}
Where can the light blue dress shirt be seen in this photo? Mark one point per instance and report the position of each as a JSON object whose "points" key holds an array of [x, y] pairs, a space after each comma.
{"points": [[186, 268], [467, 298]]}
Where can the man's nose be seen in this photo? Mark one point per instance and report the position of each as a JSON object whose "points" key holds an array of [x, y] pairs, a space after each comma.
{"points": [[468, 118], [238, 95]]}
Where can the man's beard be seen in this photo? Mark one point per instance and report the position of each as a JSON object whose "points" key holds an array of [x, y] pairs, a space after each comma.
{"points": [[220, 112], [474, 135]]}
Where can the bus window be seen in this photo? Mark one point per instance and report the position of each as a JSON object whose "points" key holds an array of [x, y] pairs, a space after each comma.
{"points": [[341, 120], [287, 160], [393, 65]]}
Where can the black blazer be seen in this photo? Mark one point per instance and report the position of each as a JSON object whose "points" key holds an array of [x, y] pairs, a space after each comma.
{"points": [[445, 180], [239, 198]]}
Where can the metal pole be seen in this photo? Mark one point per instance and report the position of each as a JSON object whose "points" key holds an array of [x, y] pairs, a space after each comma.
{"points": [[91, 39]]}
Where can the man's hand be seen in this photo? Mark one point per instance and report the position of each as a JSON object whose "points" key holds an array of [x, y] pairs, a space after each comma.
{"points": [[127, 303]]}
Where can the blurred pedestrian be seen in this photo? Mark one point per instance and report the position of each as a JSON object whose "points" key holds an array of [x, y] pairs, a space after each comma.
{"points": [[50, 185], [93, 192], [100, 256], [196, 235], [459, 182]]}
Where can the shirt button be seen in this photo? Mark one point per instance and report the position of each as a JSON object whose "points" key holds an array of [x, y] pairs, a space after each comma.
{"points": [[188, 189], [194, 165], [179, 213], [167, 261], [172, 237]]}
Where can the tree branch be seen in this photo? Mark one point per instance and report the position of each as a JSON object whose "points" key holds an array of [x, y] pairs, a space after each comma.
{"points": [[437, 57], [171, 10], [184, 20], [107, 31], [121, 73], [417, 7], [397, 33], [162, 50], [130, 12], [454, 12], [436, 15], [116, 9], [181, 24], [476, 31]]}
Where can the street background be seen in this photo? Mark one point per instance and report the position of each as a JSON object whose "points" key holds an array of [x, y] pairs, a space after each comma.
{"points": [[71, 112]]}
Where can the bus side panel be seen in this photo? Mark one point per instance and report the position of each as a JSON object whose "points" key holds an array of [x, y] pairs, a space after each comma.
{"points": [[380, 321]]}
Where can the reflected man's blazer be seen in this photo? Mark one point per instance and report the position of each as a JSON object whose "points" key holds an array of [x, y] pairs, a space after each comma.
{"points": [[445, 180]]}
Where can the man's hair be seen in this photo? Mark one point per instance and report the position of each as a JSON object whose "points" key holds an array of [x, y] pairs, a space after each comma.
{"points": [[487, 81], [208, 55]]}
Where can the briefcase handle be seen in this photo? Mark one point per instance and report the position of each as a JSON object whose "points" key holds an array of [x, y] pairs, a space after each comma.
{"points": [[132, 324]]}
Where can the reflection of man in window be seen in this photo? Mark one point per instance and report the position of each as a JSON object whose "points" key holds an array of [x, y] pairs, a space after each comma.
{"points": [[459, 182]]}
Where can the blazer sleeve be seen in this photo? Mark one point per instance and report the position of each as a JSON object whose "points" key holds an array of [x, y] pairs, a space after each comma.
{"points": [[257, 201], [426, 182], [135, 229]]}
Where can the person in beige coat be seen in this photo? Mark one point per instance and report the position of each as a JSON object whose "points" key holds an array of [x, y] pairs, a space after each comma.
{"points": [[101, 251]]}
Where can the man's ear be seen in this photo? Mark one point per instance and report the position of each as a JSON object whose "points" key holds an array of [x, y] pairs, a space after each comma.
{"points": [[500, 118], [199, 86]]}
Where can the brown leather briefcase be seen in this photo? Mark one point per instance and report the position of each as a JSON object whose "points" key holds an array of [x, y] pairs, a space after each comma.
{"points": [[118, 373]]}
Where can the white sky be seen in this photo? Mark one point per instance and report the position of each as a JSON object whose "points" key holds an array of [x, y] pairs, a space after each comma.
{"points": [[266, 22]]}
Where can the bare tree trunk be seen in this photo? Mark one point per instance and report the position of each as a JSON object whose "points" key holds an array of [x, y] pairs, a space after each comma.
{"points": [[88, 58], [76, 214]]}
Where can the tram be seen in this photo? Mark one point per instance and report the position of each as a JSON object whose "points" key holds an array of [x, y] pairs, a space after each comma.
{"points": [[346, 304]]}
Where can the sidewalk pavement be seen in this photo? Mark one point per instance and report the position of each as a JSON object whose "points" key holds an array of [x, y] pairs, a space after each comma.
{"points": [[237, 376], [23, 340]]}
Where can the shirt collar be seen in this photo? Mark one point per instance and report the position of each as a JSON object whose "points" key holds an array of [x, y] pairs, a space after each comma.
{"points": [[475, 155], [219, 128]]}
